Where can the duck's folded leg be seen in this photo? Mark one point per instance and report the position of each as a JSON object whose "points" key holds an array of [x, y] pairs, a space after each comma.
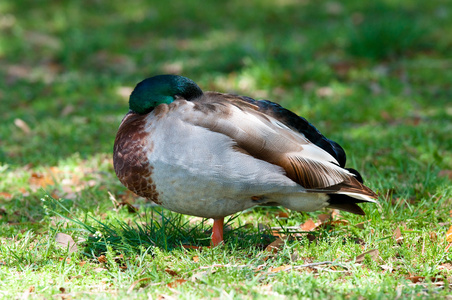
{"points": [[217, 232]]}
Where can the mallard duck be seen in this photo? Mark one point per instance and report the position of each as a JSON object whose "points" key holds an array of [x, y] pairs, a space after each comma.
{"points": [[210, 154]]}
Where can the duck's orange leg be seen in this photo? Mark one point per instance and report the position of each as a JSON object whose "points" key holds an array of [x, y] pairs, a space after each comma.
{"points": [[217, 232]]}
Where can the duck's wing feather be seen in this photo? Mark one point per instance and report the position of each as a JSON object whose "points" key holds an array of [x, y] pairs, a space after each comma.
{"points": [[301, 125], [264, 136]]}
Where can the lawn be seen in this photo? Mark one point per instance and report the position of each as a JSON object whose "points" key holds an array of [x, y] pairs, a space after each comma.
{"points": [[373, 76]]}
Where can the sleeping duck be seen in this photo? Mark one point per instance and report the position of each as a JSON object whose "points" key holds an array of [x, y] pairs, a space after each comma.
{"points": [[210, 154]]}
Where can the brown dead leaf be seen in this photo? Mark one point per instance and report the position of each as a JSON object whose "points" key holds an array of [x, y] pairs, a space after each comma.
{"points": [[176, 283], [275, 246], [22, 125], [445, 266], [102, 259], [171, 272], [397, 235], [449, 235], [68, 260], [279, 269], [416, 279], [372, 253], [6, 196], [41, 180], [64, 240], [332, 224], [361, 225], [324, 218], [420, 279], [282, 214], [309, 225], [433, 236]]}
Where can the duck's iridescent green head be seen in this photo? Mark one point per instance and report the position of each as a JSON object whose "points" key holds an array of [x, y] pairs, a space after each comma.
{"points": [[161, 89]]}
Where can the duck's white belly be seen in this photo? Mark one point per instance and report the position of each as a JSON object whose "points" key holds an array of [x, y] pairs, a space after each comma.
{"points": [[198, 172]]}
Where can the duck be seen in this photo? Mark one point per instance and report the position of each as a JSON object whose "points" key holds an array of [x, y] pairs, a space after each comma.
{"points": [[212, 154]]}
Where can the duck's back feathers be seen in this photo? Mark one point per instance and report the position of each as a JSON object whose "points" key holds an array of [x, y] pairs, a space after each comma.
{"points": [[265, 131], [301, 125]]}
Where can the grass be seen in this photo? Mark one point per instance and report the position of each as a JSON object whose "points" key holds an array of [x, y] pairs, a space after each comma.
{"points": [[375, 78]]}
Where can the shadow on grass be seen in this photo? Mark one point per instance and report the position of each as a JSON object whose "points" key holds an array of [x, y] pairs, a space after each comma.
{"points": [[155, 227]]}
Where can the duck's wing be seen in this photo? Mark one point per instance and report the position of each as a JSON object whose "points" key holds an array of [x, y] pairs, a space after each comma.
{"points": [[268, 137], [301, 125]]}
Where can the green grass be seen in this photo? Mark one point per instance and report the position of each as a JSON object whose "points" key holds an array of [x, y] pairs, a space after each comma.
{"points": [[373, 77]]}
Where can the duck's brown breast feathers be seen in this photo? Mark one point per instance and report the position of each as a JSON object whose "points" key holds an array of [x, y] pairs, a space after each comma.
{"points": [[130, 159]]}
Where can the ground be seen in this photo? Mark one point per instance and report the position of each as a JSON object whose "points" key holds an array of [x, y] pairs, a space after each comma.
{"points": [[374, 77]]}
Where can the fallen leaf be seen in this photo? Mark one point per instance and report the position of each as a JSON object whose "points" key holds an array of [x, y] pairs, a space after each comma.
{"points": [[372, 253], [309, 225], [65, 241], [102, 259], [68, 260], [397, 235], [445, 266], [361, 225], [449, 235], [275, 246], [171, 272], [6, 196], [41, 180], [332, 224], [280, 268], [294, 256], [22, 125], [176, 283], [387, 268], [433, 236], [282, 214], [324, 217], [416, 279]]}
